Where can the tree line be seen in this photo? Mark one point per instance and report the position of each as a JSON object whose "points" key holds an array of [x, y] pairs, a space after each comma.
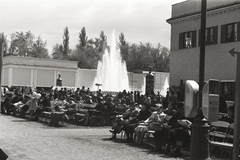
{"points": [[87, 51]]}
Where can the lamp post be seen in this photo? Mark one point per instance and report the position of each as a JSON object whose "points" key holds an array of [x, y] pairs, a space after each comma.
{"points": [[199, 140], [1, 55], [98, 84]]}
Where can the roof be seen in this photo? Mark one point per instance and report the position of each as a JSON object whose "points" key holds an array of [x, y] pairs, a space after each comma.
{"points": [[209, 9], [39, 62]]}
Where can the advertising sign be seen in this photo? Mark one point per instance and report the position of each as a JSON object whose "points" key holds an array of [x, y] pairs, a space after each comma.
{"points": [[213, 109], [191, 89], [210, 100]]}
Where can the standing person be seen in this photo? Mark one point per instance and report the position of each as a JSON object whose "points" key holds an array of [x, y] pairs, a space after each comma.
{"points": [[99, 93], [222, 104], [138, 97], [172, 98], [181, 91], [33, 104], [158, 98]]}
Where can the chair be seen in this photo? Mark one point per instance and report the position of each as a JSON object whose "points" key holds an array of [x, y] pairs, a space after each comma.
{"points": [[149, 138], [220, 137], [219, 130]]}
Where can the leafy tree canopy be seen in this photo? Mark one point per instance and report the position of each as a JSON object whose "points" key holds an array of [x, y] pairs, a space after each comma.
{"points": [[89, 51]]}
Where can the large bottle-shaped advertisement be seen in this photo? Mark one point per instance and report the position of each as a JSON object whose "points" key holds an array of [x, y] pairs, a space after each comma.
{"points": [[149, 82]]}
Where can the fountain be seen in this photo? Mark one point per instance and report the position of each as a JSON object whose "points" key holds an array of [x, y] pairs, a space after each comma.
{"points": [[112, 71], [165, 88]]}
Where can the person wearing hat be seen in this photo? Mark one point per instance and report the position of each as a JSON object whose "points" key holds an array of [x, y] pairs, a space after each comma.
{"points": [[101, 105], [154, 122], [144, 114], [120, 120]]}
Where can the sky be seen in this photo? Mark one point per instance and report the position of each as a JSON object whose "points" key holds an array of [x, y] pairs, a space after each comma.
{"points": [[139, 20]]}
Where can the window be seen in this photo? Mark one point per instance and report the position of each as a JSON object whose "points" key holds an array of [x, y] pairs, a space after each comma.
{"points": [[230, 32], [187, 40], [211, 36]]}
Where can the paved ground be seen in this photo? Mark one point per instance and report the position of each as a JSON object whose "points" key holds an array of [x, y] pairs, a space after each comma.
{"points": [[22, 139]]}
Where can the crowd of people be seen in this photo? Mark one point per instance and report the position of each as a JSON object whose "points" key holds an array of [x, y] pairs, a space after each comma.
{"points": [[133, 113], [18, 100], [169, 124], [165, 119]]}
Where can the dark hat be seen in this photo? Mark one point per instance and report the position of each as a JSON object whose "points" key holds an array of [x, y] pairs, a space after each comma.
{"points": [[147, 101]]}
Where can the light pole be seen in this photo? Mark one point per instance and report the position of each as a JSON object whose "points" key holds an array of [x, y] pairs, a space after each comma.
{"points": [[1, 55], [199, 140]]}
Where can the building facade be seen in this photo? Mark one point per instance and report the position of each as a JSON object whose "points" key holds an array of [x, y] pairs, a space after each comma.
{"points": [[222, 35], [37, 72]]}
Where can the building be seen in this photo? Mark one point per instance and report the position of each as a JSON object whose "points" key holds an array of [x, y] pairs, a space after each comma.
{"points": [[37, 72], [222, 35]]}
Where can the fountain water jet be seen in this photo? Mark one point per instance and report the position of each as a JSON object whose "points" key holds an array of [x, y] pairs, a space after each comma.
{"points": [[112, 71]]}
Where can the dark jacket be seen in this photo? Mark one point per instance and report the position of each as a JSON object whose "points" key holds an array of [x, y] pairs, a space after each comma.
{"points": [[143, 115]]}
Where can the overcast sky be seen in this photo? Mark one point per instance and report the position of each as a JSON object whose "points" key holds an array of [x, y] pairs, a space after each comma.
{"points": [[139, 20]]}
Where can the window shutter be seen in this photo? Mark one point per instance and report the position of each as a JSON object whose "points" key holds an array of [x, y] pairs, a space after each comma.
{"points": [[199, 37], [238, 31], [223, 33], [215, 35], [194, 38], [181, 41]]}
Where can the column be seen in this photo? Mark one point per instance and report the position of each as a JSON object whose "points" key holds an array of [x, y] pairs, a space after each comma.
{"points": [[10, 77], [32, 79], [54, 78], [35, 78], [3, 77], [76, 79]]}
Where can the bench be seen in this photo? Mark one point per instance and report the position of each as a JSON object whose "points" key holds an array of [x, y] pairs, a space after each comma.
{"points": [[46, 116]]}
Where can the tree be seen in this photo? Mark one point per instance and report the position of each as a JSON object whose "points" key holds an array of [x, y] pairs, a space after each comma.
{"points": [[144, 55], [21, 44], [5, 46], [82, 39], [124, 47], [122, 39], [103, 41], [66, 42], [39, 49], [57, 52]]}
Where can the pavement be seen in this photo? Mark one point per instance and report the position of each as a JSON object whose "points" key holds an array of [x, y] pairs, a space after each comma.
{"points": [[22, 139]]}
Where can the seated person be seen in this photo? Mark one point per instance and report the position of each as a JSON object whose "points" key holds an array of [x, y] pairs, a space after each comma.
{"points": [[164, 132], [170, 110], [101, 106], [120, 120], [56, 115], [154, 122], [144, 114], [229, 117], [179, 137], [7, 102], [46, 102]]}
